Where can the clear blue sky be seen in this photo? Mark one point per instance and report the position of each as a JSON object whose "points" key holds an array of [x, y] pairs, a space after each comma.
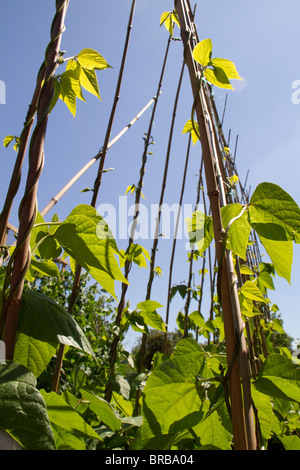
{"points": [[261, 38]]}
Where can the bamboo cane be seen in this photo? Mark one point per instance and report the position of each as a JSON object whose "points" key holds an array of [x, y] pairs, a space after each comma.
{"points": [[27, 211], [188, 297], [86, 167], [114, 345], [97, 184], [16, 175], [174, 243], [243, 425], [156, 234], [114, 107]]}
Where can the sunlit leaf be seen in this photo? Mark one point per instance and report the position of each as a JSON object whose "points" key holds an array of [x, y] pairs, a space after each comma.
{"points": [[252, 292], [188, 127], [147, 310], [170, 393], [200, 230], [64, 418], [87, 238], [279, 377], [218, 77], [202, 52], [227, 66], [35, 355], [239, 230], [7, 140], [102, 409], [244, 269], [87, 78], [92, 60], [271, 204], [168, 18]]}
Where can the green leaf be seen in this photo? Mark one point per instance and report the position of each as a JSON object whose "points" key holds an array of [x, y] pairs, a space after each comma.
{"points": [[168, 18], [200, 230], [102, 409], [240, 229], [23, 413], [188, 127], [46, 267], [124, 405], [64, 91], [252, 292], [181, 288], [247, 307], [43, 319], [171, 393], [175, 18], [136, 321], [89, 82], [244, 269], [87, 78], [136, 254], [35, 355], [218, 77], [150, 316], [70, 80], [56, 93], [262, 403], [212, 434], [86, 237], [122, 385], [92, 60], [202, 52], [227, 66], [264, 279], [270, 204], [279, 377], [7, 140], [64, 418], [42, 243], [198, 319], [38, 233], [233, 179], [290, 442], [276, 325], [75, 402], [66, 441], [162, 442], [280, 250]]}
